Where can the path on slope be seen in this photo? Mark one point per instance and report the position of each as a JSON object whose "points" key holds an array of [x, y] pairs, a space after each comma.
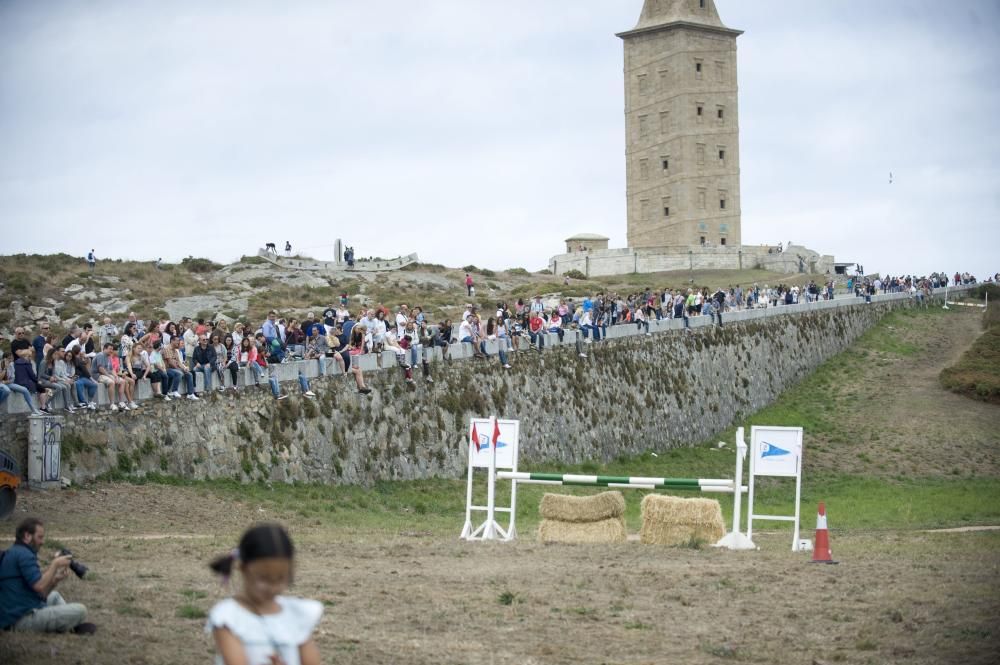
{"points": [[899, 421]]}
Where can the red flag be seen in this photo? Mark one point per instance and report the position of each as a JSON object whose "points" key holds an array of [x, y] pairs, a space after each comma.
{"points": [[475, 437], [496, 432]]}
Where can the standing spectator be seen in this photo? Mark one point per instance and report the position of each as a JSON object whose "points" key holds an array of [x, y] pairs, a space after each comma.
{"points": [[190, 336], [39, 344], [468, 284], [107, 332], [288, 248], [19, 343], [357, 348], [273, 336], [91, 261]]}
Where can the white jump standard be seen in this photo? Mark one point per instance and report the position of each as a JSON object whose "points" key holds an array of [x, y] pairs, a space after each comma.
{"points": [[498, 450]]}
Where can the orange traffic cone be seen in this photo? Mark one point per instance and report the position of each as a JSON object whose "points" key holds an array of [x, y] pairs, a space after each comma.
{"points": [[821, 548]]}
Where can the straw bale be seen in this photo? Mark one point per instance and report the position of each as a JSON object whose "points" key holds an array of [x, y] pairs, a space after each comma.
{"points": [[671, 520], [611, 530], [592, 508]]}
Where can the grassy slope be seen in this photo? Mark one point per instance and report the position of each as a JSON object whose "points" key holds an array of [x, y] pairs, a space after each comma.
{"points": [[951, 487], [977, 373]]}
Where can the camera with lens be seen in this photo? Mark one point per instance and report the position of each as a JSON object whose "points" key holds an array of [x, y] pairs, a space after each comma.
{"points": [[78, 568]]}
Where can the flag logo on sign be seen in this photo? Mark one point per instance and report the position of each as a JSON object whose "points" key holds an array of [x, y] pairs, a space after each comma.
{"points": [[771, 450]]}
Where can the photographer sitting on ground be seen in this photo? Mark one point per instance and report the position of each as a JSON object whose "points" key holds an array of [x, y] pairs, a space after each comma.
{"points": [[28, 601]]}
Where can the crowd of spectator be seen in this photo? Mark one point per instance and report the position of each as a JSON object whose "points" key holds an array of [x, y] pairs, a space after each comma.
{"points": [[45, 370]]}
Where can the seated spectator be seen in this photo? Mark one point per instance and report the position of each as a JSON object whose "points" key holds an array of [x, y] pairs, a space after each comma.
{"points": [[295, 339], [493, 334], [554, 325], [204, 360], [248, 359], [177, 370], [123, 372], [139, 365], [228, 358], [158, 377], [442, 338], [48, 380], [9, 385], [221, 358], [357, 348], [238, 334], [317, 347], [24, 376], [467, 335], [106, 375], [261, 361], [272, 336], [536, 330], [28, 599], [85, 384]]}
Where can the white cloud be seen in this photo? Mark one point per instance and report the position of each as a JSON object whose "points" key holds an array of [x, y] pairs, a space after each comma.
{"points": [[479, 132]]}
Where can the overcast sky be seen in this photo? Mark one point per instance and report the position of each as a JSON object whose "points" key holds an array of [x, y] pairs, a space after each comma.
{"points": [[475, 131]]}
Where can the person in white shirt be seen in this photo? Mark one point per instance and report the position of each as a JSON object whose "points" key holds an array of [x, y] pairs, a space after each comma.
{"points": [[402, 316]]}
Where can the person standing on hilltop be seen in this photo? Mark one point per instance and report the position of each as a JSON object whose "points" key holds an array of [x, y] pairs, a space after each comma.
{"points": [[468, 284], [91, 261]]}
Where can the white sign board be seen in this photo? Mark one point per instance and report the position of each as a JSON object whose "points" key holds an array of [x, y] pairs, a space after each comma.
{"points": [[776, 452], [482, 445]]}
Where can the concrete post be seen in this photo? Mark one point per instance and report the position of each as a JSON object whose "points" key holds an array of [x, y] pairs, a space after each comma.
{"points": [[44, 458]]}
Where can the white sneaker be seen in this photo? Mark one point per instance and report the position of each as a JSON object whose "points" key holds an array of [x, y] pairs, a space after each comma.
{"points": [[588, 341], [133, 406], [71, 408], [309, 393], [280, 397], [167, 398], [122, 406], [222, 389], [114, 408], [92, 406], [193, 397], [583, 355], [507, 366], [176, 394]]}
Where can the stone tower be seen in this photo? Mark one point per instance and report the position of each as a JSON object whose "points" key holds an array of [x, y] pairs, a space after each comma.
{"points": [[681, 123]]}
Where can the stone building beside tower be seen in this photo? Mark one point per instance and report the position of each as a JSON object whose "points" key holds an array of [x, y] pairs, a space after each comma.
{"points": [[682, 127], [682, 154]]}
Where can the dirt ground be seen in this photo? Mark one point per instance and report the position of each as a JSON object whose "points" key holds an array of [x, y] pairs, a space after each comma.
{"points": [[910, 597]]}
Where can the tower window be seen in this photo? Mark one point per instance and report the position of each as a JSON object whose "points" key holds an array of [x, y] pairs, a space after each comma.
{"points": [[722, 157], [700, 111], [701, 4], [643, 85], [722, 241], [700, 154], [643, 125], [665, 162], [703, 240], [666, 211], [664, 122], [697, 69], [722, 204], [644, 168], [722, 114]]}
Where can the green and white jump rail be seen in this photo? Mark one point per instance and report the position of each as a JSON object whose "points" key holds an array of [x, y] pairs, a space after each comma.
{"points": [[724, 485]]}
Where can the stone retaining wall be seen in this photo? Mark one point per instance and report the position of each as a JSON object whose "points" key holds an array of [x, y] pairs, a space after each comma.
{"points": [[632, 393]]}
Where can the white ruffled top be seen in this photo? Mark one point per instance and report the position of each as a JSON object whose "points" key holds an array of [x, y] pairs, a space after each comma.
{"points": [[264, 634]]}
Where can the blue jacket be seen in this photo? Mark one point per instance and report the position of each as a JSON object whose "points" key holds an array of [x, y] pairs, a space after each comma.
{"points": [[24, 374], [18, 571]]}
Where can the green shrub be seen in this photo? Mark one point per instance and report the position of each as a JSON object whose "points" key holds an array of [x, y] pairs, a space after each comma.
{"points": [[574, 274], [521, 272], [199, 265]]}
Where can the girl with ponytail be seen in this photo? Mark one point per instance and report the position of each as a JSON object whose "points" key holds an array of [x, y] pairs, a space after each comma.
{"points": [[258, 625]]}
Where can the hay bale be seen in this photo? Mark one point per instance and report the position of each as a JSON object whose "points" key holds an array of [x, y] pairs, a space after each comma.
{"points": [[582, 508], [671, 520], [611, 530]]}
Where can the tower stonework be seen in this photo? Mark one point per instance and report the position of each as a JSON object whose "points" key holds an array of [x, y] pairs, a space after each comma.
{"points": [[682, 129]]}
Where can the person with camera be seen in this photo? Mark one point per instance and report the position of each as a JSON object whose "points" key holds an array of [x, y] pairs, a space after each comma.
{"points": [[28, 599]]}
